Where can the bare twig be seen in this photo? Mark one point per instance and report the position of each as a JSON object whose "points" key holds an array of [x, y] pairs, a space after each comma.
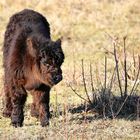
{"points": [[121, 106], [112, 112], [92, 87], [112, 79], [113, 39], [97, 77], [117, 68], [91, 78], [136, 86], [77, 93], [107, 51], [125, 67], [84, 82], [105, 73], [134, 62], [137, 76], [85, 112]]}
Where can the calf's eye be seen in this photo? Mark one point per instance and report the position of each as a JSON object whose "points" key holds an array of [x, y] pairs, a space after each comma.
{"points": [[47, 65]]}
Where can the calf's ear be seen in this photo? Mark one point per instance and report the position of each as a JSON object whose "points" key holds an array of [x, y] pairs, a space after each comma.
{"points": [[30, 48]]}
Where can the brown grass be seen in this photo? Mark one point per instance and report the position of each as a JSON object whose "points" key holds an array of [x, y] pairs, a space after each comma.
{"points": [[88, 29]]}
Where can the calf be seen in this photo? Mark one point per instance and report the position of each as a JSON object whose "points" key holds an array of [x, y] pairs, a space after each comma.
{"points": [[32, 61]]}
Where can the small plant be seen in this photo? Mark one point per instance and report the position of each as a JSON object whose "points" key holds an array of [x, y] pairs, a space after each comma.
{"points": [[103, 100]]}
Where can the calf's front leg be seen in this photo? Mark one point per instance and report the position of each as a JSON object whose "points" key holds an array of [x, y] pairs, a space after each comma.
{"points": [[42, 95]]}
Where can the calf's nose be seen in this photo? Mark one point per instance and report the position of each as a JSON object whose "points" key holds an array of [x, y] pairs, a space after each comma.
{"points": [[57, 78]]}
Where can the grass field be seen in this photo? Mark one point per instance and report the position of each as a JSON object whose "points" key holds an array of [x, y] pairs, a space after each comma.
{"points": [[89, 29]]}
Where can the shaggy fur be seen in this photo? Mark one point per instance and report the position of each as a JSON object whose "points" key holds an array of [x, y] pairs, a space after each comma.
{"points": [[32, 62]]}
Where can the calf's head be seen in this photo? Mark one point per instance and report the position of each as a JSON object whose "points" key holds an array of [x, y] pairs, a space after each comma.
{"points": [[48, 58]]}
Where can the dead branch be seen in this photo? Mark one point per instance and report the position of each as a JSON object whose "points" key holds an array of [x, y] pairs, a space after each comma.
{"points": [[134, 62], [107, 51], [92, 87], [97, 77], [125, 68], [112, 112], [77, 93], [91, 78], [84, 82], [117, 68], [112, 78], [105, 80], [137, 76], [116, 114]]}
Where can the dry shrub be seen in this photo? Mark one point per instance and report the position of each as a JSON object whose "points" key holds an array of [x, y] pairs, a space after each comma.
{"points": [[103, 99]]}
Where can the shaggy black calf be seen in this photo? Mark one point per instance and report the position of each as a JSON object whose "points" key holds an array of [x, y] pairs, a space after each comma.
{"points": [[32, 62]]}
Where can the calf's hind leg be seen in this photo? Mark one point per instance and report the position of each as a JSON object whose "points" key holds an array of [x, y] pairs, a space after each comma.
{"points": [[18, 101], [7, 103]]}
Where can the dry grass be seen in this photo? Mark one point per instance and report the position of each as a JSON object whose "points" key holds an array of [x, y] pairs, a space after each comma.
{"points": [[86, 28]]}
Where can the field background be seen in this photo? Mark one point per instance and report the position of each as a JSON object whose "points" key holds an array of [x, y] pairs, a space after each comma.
{"points": [[87, 28]]}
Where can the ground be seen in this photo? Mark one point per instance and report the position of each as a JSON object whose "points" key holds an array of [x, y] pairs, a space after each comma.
{"points": [[87, 30]]}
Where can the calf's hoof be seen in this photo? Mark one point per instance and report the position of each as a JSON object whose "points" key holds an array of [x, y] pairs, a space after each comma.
{"points": [[17, 120], [44, 122], [16, 124]]}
